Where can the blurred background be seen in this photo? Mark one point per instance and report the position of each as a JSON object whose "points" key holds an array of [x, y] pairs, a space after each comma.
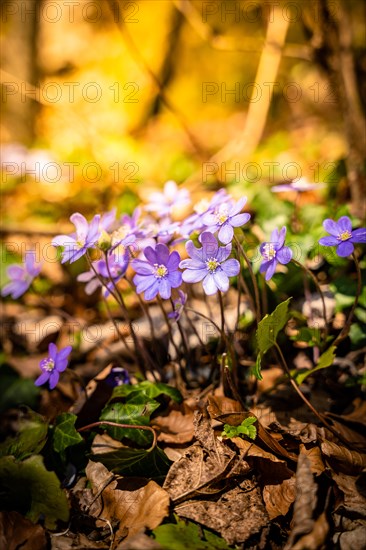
{"points": [[104, 100]]}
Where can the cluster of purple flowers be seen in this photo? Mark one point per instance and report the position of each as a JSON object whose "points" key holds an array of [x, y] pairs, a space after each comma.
{"points": [[146, 243]]}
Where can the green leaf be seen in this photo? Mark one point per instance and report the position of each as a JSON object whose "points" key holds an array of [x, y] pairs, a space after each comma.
{"points": [[30, 438], [256, 370], [149, 389], [270, 326], [65, 434], [135, 462], [325, 360], [186, 534], [130, 413], [32, 490], [245, 428], [15, 390]]}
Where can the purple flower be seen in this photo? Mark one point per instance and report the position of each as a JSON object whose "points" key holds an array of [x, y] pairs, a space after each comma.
{"points": [[225, 217], [342, 235], [117, 269], [208, 264], [195, 221], [117, 377], [172, 197], [274, 252], [299, 186], [159, 274], [179, 304], [86, 236], [51, 367], [21, 276]]}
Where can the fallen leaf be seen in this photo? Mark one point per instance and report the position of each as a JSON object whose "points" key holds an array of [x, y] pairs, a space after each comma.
{"points": [[315, 539], [303, 522], [237, 515], [348, 461], [186, 534], [315, 456], [279, 497], [134, 503], [176, 427], [18, 532]]}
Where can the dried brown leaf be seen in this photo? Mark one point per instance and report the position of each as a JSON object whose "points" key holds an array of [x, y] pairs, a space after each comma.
{"points": [[348, 461], [235, 415], [315, 456], [18, 532], [132, 503], [315, 539], [236, 515], [196, 469], [176, 427], [279, 497], [303, 522]]}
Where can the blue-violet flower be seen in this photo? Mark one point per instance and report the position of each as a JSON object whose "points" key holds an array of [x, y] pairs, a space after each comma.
{"points": [[342, 235], [86, 236], [225, 217], [159, 274], [51, 367], [274, 252], [21, 276], [209, 264]]}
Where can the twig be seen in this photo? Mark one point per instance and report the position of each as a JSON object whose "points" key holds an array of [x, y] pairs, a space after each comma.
{"points": [[118, 425]]}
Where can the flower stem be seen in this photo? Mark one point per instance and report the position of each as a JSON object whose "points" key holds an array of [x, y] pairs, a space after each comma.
{"points": [[306, 401], [345, 330], [254, 280], [315, 280]]}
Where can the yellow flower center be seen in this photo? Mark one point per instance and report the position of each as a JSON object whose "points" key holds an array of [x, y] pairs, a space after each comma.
{"points": [[80, 244], [212, 264], [160, 271], [48, 364], [222, 214], [269, 251], [344, 236]]}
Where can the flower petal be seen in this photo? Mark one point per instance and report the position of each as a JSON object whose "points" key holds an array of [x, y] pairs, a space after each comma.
{"points": [[63, 240], [344, 224], [64, 353], [152, 291], [141, 267], [15, 271], [358, 236], [209, 245], [162, 254], [223, 252], [175, 279], [329, 241], [54, 378], [226, 233], [237, 207], [143, 282], [332, 227], [194, 275], [52, 350], [173, 261], [239, 219], [81, 225], [193, 252], [165, 289], [192, 264], [284, 255], [231, 267], [150, 255], [345, 248], [42, 379], [209, 285], [271, 269], [62, 365], [221, 280]]}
